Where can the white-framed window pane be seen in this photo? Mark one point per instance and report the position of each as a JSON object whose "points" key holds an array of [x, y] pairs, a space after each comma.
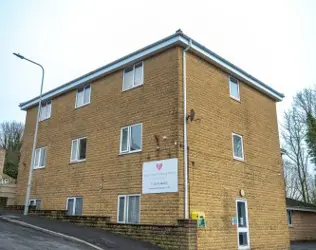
{"points": [[74, 146], [49, 109], [36, 158], [242, 218], [136, 138], [121, 208], [243, 238], [78, 206], [82, 148], [70, 206], [32, 203], [86, 95], [234, 88], [42, 157], [133, 209], [289, 217], [124, 139], [38, 204], [128, 78], [237, 143], [79, 98], [138, 75]]}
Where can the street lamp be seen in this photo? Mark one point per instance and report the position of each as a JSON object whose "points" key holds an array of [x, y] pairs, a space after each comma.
{"points": [[29, 183]]}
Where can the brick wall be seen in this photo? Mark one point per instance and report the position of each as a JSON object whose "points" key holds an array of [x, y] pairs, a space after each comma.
{"points": [[303, 226], [216, 179], [105, 174]]}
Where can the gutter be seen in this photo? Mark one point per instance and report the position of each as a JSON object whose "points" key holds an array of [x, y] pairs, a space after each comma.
{"points": [[185, 136], [301, 209]]}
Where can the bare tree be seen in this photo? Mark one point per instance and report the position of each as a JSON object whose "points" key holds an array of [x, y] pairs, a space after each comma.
{"points": [[291, 180], [294, 135], [11, 134]]}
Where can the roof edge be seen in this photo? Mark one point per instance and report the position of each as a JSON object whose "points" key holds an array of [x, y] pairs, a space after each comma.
{"points": [[176, 39]]}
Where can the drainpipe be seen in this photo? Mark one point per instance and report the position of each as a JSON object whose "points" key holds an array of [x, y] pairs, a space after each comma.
{"points": [[185, 136]]}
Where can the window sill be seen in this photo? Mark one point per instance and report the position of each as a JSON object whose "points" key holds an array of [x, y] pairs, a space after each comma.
{"points": [[135, 87], [82, 106], [44, 119], [75, 162], [131, 152], [235, 99], [38, 168], [290, 226], [238, 159]]}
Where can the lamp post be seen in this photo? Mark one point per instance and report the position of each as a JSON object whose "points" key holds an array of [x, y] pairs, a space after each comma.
{"points": [[29, 183]]}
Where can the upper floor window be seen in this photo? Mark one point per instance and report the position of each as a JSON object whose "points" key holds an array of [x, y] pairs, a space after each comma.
{"points": [[39, 158], [46, 109], [234, 88], [128, 209], [131, 138], [238, 150], [133, 76], [83, 96], [78, 149]]}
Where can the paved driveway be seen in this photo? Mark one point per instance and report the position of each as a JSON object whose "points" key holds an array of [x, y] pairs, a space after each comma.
{"points": [[15, 237], [303, 246]]}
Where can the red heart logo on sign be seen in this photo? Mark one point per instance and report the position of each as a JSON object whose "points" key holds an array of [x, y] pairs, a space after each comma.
{"points": [[159, 166]]}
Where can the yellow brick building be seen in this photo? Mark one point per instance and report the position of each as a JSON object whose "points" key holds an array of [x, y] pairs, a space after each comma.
{"points": [[99, 133]]}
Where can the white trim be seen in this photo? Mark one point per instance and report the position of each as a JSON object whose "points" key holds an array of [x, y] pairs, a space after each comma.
{"points": [[129, 134], [50, 110], [301, 209], [126, 201], [242, 147], [78, 149], [168, 42], [243, 230], [238, 88], [83, 90], [39, 159], [289, 217]]}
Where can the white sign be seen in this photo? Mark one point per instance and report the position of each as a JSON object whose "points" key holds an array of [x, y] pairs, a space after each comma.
{"points": [[160, 176]]}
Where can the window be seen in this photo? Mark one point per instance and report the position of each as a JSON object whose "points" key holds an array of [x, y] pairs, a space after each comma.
{"points": [[35, 203], [238, 150], [133, 76], [83, 96], [128, 209], [39, 158], [74, 206], [131, 139], [234, 88], [6, 181], [289, 217], [46, 109], [78, 150], [242, 222]]}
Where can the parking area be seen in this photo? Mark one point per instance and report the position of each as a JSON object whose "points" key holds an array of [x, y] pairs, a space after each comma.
{"points": [[303, 246]]}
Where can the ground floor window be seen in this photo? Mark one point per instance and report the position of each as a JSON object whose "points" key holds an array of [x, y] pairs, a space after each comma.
{"points": [[35, 203], [74, 206], [242, 224], [289, 217], [128, 209]]}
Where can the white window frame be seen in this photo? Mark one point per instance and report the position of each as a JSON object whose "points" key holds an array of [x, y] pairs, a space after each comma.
{"points": [[289, 213], [78, 149], [6, 181], [243, 230], [34, 200], [125, 220], [45, 104], [142, 78], [242, 147], [39, 161], [74, 204], [238, 88], [129, 134], [84, 88]]}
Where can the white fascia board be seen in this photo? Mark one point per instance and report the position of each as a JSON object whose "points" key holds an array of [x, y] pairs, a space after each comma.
{"points": [[218, 61], [301, 209], [106, 70]]}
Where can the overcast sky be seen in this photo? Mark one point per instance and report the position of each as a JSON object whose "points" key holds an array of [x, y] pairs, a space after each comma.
{"points": [[275, 41]]}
